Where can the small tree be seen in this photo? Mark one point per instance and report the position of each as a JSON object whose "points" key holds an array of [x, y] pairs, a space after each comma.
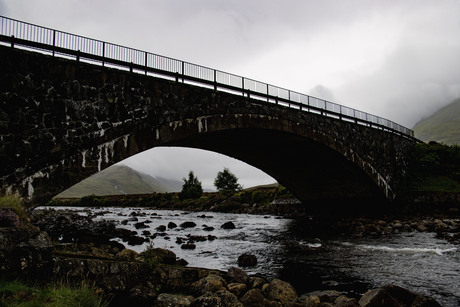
{"points": [[227, 181], [192, 187]]}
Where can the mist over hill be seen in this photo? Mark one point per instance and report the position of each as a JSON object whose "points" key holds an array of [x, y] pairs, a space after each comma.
{"points": [[443, 126], [120, 179]]}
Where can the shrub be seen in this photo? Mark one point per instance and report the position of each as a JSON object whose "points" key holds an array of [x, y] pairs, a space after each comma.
{"points": [[192, 187], [15, 204], [227, 181]]}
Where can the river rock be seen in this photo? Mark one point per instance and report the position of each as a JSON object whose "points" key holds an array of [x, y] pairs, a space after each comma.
{"points": [[210, 283], [254, 298], [406, 297], [228, 225], [172, 225], [140, 225], [161, 228], [246, 260], [222, 298], [256, 282], [167, 300], [238, 275], [161, 255], [328, 296], [188, 224], [280, 291], [377, 298], [237, 288], [343, 301], [188, 246]]}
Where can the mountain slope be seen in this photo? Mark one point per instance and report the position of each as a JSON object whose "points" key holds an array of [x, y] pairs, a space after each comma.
{"points": [[120, 179], [442, 127]]}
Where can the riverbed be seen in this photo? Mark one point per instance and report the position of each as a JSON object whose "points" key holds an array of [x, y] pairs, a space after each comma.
{"points": [[417, 261]]}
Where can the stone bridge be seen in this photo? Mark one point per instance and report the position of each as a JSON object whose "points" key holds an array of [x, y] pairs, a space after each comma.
{"points": [[63, 120]]}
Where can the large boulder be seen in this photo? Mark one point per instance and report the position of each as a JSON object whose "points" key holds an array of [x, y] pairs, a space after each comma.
{"points": [[210, 283], [391, 295], [220, 298], [167, 300], [280, 291], [255, 298], [377, 298]]}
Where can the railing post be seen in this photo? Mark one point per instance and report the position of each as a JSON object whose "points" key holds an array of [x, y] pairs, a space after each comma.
{"points": [[12, 41], [54, 41], [146, 66], [215, 80], [103, 53], [268, 94], [183, 72]]}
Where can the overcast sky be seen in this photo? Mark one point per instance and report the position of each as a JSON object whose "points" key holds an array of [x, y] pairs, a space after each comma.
{"points": [[395, 59]]}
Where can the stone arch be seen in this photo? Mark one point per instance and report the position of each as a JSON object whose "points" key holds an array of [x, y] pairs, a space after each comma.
{"points": [[73, 119]]}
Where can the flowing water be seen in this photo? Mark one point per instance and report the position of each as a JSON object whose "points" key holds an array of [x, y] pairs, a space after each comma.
{"points": [[417, 261]]}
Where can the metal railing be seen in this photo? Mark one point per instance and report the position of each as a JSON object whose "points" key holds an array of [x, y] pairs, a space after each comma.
{"points": [[17, 33]]}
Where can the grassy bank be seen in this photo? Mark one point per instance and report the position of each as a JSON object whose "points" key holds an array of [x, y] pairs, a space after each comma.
{"points": [[433, 167], [257, 200], [16, 293]]}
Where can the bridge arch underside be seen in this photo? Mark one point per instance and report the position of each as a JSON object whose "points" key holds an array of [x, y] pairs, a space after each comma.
{"points": [[313, 172]]}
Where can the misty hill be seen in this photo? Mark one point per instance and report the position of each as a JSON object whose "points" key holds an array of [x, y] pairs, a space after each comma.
{"points": [[121, 179], [443, 126]]}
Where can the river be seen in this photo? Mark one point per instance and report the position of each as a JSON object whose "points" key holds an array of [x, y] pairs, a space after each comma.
{"points": [[417, 261]]}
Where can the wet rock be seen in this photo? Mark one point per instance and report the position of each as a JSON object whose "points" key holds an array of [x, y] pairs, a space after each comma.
{"points": [[167, 300], [328, 296], [378, 297], [188, 246], [343, 301], [256, 282], [195, 238], [237, 289], [172, 225], [311, 301], [210, 283], [159, 254], [221, 298], [127, 254], [246, 260], [187, 225], [238, 275], [140, 225], [254, 298], [161, 228], [228, 225], [406, 297], [280, 291], [208, 228], [142, 294]]}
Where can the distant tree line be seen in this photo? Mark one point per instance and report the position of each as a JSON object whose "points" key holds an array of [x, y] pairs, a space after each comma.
{"points": [[225, 181]]}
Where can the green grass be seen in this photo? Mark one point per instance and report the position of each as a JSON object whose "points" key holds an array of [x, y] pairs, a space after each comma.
{"points": [[15, 293], [14, 203]]}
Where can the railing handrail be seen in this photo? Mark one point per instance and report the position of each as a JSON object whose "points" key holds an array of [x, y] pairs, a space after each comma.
{"points": [[57, 42]]}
